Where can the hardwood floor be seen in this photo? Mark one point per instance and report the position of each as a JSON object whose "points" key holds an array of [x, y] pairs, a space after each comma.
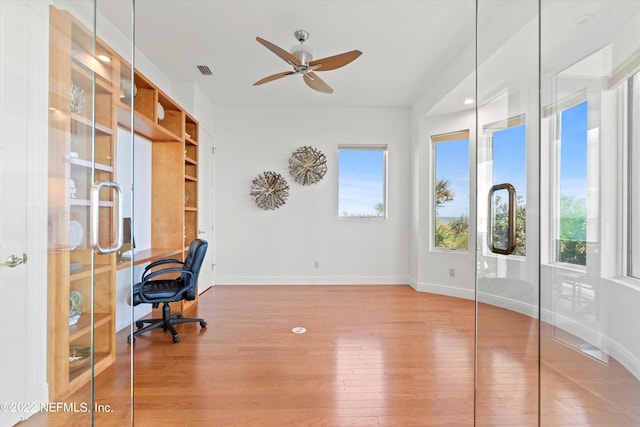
{"points": [[371, 356]]}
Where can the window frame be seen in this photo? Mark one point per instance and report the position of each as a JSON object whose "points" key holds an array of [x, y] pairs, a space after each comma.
{"points": [[434, 140], [488, 130], [554, 114], [384, 148], [633, 179]]}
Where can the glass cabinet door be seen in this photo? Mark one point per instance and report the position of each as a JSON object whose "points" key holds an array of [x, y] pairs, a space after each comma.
{"points": [[63, 177]]}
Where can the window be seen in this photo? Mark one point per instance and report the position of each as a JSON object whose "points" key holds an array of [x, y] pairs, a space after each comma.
{"points": [[362, 181], [451, 190], [633, 263], [508, 166], [571, 203]]}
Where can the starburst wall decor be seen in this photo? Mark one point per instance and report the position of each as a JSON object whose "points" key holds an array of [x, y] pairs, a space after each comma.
{"points": [[307, 165], [269, 190]]}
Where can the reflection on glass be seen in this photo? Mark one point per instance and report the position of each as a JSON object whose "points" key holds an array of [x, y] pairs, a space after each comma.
{"points": [[501, 216], [509, 165], [572, 239]]}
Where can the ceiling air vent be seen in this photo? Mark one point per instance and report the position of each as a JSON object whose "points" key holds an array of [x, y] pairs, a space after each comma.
{"points": [[204, 70]]}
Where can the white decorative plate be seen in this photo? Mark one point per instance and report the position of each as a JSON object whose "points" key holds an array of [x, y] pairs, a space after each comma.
{"points": [[76, 233], [160, 112]]}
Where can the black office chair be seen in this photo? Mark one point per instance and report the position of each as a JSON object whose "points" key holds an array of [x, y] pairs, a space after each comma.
{"points": [[164, 291]]}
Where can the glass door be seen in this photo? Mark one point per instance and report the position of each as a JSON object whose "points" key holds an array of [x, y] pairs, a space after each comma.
{"points": [[507, 255], [558, 288], [63, 214], [590, 290]]}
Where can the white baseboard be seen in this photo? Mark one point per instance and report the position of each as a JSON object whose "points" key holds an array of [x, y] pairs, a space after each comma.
{"points": [[451, 291], [611, 347], [311, 280]]}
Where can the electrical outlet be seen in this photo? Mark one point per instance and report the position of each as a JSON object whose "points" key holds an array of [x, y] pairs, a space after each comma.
{"points": [[452, 272], [316, 264]]}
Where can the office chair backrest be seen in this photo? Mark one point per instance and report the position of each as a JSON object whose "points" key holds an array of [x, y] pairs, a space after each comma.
{"points": [[195, 257]]}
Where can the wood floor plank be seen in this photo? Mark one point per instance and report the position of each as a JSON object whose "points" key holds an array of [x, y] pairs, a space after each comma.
{"points": [[371, 356]]}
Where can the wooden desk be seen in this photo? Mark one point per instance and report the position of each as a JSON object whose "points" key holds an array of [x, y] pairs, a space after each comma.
{"points": [[151, 255]]}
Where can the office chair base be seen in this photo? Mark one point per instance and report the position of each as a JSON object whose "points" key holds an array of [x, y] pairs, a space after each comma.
{"points": [[167, 323]]}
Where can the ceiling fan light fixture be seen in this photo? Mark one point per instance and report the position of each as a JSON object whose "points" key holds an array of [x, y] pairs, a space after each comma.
{"points": [[303, 53], [301, 59]]}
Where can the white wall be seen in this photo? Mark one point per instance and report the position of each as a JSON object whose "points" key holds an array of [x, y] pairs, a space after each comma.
{"points": [[133, 167], [255, 246]]}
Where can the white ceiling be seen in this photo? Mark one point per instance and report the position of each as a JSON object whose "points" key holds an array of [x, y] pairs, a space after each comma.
{"points": [[406, 44], [410, 47]]}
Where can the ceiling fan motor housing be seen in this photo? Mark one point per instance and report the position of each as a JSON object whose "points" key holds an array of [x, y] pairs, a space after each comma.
{"points": [[303, 53]]}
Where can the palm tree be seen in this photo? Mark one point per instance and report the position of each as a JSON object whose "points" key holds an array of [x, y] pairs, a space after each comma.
{"points": [[379, 208], [444, 193]]}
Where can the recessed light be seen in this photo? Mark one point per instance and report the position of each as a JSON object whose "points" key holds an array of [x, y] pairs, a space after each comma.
{"points": [[468, 101], [582, 19], [104, 58]]}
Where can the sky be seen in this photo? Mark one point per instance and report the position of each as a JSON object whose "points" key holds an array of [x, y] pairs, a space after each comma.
{"points": [[360, 181], [452, 164], [509, 158], [573, 152]]}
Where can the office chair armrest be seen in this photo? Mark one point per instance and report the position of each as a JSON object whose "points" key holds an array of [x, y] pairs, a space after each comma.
{"points": [[146, 281], [157, 263]]}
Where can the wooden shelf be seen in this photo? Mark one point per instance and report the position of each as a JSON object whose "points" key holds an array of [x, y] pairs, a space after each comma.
{"points": [[87, 122], [86, 202], [150, 255], [144, 126], [84, 325], [85, 272], [74, 138], [87, 164], [82, 147], [82, 376]]}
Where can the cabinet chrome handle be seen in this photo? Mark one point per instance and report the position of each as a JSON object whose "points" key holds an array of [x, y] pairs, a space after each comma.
{"points": [[14, 261], [95, 217]]}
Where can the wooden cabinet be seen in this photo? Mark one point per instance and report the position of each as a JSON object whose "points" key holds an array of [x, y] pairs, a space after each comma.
{"points": [[81, 152], [174, 174], [89, 100]]}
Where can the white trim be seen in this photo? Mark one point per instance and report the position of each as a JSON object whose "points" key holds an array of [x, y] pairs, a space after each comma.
{"points": [[311, 280], [384, 148], [611, 347], [451, 291]]}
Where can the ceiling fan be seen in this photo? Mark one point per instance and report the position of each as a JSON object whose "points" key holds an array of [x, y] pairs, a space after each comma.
{"points": [[301, 59]]}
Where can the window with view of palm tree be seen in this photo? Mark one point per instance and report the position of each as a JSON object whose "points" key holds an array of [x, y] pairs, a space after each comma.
{"points": [[451, 191], [362, 181]]}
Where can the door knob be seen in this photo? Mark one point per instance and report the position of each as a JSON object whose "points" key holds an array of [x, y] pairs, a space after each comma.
{"points": [[14, 261]]}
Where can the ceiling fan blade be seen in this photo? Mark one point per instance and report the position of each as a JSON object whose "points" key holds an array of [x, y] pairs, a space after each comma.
{"points": [[286, 56], [314, 82], [336, 61], [273, 77]]}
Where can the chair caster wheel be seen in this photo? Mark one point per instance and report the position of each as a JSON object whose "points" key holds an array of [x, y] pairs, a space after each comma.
{"points": [[139, 324], [176, 338], [203, 324], [179, 316], [131, 340]]}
